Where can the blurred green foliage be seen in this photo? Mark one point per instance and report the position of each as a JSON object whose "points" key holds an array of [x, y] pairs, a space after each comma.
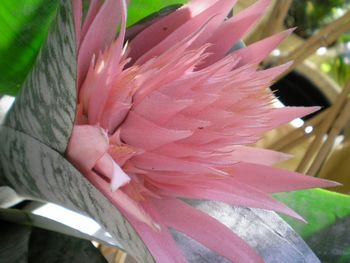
{"points": [[23, 28], [308, 16]]}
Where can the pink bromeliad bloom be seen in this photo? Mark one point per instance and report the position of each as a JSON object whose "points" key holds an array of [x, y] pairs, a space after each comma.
{"points": [[171, 114]]}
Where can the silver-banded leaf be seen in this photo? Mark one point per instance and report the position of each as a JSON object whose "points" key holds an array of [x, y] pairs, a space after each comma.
{"points": [[37, 172], [8, 197], [273, 239], [25, 216], [45, 106]]}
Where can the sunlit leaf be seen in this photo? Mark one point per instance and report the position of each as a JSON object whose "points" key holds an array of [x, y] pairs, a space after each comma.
{"points": [[23, 28]]}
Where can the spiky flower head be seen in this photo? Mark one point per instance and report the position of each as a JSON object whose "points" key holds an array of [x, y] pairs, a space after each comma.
{"points": [[171, 115]]}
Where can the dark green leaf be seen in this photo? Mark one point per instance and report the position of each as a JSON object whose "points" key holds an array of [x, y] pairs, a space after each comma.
{"points": [[20, 243], [50, 247], [13, 242], [328, 216], [23, 28]]}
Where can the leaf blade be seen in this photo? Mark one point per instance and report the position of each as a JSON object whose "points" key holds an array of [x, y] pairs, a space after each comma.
{"points": [[45, 107], [24, 26]]}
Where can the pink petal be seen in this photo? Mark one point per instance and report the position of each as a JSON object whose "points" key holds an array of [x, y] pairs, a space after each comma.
{"points": [[180, 151], [206, 230], [257, 52], [94, 7], [233, 29], [160, 30], [227, 156], [156, 107], [100, 34], [270, 74], [154, 162], [122, 153], [107, 167], [123, 202], [160, 243], [118, 101], [273, 180], [231, 192], [209, 20], [254, 155], [280, 116], [101, 83], [141, 133], [87, 144]]}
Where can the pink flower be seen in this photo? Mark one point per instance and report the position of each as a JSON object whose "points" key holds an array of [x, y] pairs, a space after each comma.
{"points": [[171, 115]]}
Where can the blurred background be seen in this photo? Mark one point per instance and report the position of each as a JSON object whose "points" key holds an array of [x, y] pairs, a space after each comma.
{"points": [[320, 50]]}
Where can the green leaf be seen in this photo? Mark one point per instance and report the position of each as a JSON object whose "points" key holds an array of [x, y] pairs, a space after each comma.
{"points": [[328, 216], [23, 28], [321, 208], [24, 25], [139, 9]]}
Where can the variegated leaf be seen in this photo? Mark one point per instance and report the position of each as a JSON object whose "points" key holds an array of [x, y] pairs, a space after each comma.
{"points": [[36, 171], [45, 106]]}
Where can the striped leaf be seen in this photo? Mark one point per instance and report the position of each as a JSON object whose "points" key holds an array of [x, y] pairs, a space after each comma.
{"points": [[45, 106], [36, 171]]}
